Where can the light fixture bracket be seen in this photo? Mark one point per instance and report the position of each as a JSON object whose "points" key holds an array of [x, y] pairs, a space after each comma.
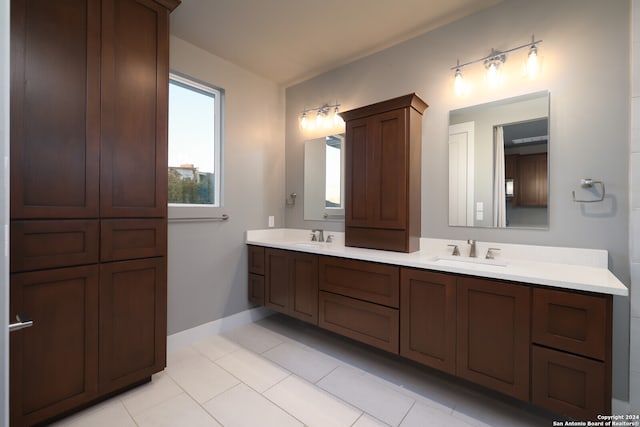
{"points": [[496, 58], [500, 56]]}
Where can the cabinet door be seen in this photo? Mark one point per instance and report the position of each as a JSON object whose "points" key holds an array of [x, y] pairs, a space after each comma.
{"points": [[133, 330], [55, 101], [291, 283], [532, 171], [135, 73], [54, 364], [303, 286], [428, 318], [493, 335], [276, 280], [376, 177]]}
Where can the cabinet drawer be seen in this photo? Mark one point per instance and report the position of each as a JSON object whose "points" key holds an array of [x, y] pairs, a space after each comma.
{"points": [[369, 323], [123, 239], [37, 245], [569, 385], [368, 281], [256, 289], [573, 322], [256, 259]]}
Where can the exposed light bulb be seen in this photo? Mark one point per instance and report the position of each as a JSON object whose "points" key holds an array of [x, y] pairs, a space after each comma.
{"points": [[459, 83], [319, 118], [533, 64], [304, 123], [326, 121], [492, 74], [337, 120]]}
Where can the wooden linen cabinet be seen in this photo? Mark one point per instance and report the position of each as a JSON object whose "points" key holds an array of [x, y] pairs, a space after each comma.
{"points": [[89, 87]]}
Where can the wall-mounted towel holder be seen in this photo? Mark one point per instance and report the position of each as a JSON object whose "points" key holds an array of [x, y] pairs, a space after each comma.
{"points": [[589, 183]]}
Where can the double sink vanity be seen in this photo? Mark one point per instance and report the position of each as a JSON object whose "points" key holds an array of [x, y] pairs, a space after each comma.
{"points": [[534, 323], [530, 322]]}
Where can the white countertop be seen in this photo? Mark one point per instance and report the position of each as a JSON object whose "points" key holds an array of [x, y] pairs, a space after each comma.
{"points": [[566, 268]]}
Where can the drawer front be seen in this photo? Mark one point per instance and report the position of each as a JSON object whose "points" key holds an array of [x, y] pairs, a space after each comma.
{"points": [[368, 281], [37, 245], [123, 239], [256, 289], [570, 385], [573, 322], [365, 322], [256, 259]]}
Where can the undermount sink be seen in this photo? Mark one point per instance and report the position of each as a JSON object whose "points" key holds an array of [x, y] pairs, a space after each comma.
{"points": [[467, 261], [310, 244]]}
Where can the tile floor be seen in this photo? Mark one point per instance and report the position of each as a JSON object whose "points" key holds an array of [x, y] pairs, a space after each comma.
{"points": [[280, 372]]}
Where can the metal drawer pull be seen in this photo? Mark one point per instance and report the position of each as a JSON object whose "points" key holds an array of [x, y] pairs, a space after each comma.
{"points": [[23, 322]]}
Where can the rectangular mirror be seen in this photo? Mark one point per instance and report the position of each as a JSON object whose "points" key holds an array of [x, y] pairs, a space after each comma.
{"points": [[498, 163], [324, 178]]}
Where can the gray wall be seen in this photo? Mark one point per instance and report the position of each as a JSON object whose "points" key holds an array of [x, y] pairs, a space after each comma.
{"points": [[589, 124], [207, 262]]}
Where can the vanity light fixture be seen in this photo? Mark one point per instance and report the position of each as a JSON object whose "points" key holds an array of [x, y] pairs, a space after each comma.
{"points": [[326, 116], [494, 61]]}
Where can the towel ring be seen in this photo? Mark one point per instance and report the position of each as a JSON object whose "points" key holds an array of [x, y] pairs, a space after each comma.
{"points": [[589, 183]]}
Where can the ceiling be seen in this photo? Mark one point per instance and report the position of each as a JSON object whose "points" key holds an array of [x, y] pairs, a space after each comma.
{"points": [[288, 41]]}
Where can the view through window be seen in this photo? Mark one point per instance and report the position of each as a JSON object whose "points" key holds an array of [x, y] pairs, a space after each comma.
{"points": [[194, 142]]}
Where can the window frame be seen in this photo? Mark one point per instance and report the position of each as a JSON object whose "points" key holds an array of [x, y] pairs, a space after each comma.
{"points": [[178, 211]]}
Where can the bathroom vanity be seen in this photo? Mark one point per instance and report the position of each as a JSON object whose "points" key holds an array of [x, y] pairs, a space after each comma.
{"points": [[535, 323]]}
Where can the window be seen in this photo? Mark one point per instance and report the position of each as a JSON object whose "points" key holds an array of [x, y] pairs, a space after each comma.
{"points": [[195, 119]]}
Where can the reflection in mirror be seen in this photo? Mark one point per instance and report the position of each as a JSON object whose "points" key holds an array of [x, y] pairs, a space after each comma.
{"points": [[324, 178], [498, 163]]}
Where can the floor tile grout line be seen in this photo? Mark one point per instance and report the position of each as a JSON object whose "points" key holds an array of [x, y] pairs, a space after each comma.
{"points": [[320, 389]]}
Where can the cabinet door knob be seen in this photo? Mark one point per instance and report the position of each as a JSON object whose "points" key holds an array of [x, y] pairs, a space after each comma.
{"points": [[23, 321]]}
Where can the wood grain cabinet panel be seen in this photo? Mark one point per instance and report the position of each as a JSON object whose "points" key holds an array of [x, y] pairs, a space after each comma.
{"points": [[123, 239], [368, 281], [382, 179], [54, 364], [55, 116], [40, 244], [570, 385], [256, 259], [133, 328], [532, 180], [89, 89], [291, 283], [134, 93], [256, 289], [493, 335], [369, 323], [428, 318], [572, 322]]}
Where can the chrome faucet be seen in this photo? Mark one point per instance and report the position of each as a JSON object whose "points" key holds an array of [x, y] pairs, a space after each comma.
{"points": [[472, 251], [317, 236]]}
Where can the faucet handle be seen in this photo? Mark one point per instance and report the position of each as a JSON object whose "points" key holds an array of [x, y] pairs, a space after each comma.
{"points": [[456, 251], [329, 238], [491, 254]]}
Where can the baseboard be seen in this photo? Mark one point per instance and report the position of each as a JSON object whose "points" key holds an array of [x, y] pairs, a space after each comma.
{"points": [[184, 339], [620, 407]]}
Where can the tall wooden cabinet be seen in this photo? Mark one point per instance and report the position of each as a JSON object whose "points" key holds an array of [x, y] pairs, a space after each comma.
{"points": [[89, 83], [382, 185]]}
